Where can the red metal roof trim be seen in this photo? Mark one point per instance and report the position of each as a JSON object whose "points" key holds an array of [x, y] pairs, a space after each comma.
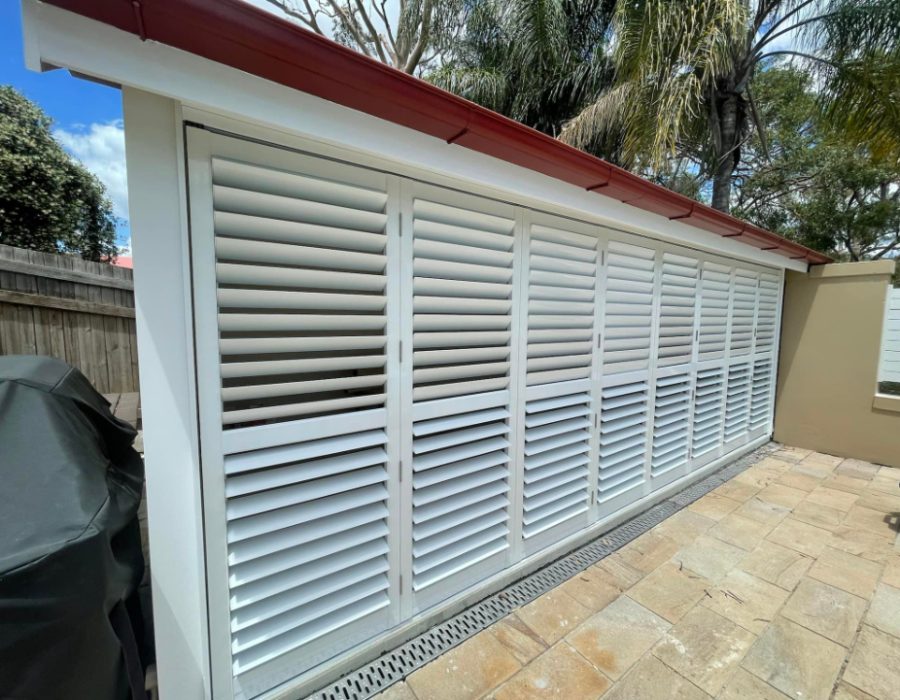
{"points": [[250, 39]]}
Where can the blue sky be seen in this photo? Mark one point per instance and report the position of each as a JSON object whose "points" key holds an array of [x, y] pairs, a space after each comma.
{"points": [[87, 117]]}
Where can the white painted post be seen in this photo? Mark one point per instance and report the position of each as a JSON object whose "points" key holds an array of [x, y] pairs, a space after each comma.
{"points": [[157, 210]]}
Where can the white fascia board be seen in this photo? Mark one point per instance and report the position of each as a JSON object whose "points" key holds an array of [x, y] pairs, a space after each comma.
{"points": [[60, 38]]}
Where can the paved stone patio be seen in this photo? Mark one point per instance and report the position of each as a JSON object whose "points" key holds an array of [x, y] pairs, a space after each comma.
{"points": [[782, 583]]}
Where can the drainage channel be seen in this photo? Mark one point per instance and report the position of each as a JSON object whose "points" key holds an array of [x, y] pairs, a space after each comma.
{"points": [[395, 665]]}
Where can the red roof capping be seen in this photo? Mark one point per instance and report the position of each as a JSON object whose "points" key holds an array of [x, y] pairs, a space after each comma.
{"points": [[250, 39]]}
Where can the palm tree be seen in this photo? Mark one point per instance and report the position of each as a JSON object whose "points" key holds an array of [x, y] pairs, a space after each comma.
{"points": [[685, 69], [537, 61]]}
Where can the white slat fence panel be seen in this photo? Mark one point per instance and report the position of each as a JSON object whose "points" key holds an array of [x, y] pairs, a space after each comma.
{"points": [[890, 339]]}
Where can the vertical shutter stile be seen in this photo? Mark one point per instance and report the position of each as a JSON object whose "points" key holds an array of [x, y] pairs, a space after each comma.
{"points": [[562, 268], [743, 310], [714, 295], [678, 296]]}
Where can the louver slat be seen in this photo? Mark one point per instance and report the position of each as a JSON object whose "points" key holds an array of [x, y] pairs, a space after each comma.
{"points": [[737, 402], [670, 423], [623, 438], [308, 551], [767, 320], [678, 296], [743, 311], [630, 272], [715, 282], [300, 274], [708, 411], [462, 300], [761, 394]]}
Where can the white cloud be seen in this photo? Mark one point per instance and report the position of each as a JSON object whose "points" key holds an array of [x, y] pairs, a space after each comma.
{"points": [[101, 148]]}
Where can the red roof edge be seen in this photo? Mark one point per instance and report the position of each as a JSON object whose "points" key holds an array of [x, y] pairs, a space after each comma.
{"points": [[250, 39]]}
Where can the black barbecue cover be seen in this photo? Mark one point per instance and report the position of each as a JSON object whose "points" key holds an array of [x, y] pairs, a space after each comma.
{"points": [[70, 549]]}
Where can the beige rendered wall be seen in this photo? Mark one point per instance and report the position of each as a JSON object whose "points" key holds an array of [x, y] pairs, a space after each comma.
{"points": [[830, 341]]}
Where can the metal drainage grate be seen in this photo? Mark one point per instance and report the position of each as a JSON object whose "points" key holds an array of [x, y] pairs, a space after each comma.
{"points": [[394, 665]]}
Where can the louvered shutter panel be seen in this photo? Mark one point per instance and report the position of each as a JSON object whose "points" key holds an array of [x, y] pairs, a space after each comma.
{"points": [[628, 316], [743, 311], [761, 394], [714, 296], [562, 269], [300, 263], [623, 439], [671, 430], [737, 402], [708, 411], [462, 329], [767, 319], [678, 296]]}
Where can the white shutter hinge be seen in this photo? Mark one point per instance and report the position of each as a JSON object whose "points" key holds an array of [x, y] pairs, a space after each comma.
{"points": [[697, 334], [400, 351], [594, 497], [599, 340], [596, 420], [401, 582], [602, 257], [401, 471]]}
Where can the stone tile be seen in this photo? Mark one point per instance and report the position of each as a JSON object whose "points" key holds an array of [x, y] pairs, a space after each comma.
{"points": [[873, 666], [740, 531], [831, 612], [763, 511], [891, 574], [776, 564], [846, 571], [475, 667], [685, 526], [889, 472], [818, 515], [799, 663], [736, 490], [619, 573], [705, 648], [746, 600], [872, 520], [825, 459], [763, 473], [845, 691], [863, 543], [882, 502], [815, 470], [781, 495], [857, 468], [592, 589], [648, 551], [553, 615], [398, 691], [842, 482], [791, 454], [807, 539], [713, 506], [559, 673], [799, 480], [616, 637], [884, 612], [518, 638], [650, 677], [832, 498], [710, 557], [746, 686], [670, 591], [885, 484]]}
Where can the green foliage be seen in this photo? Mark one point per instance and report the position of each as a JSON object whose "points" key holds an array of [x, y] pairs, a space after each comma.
{"points": [[813, 183], [537, 61], [48, 201]]}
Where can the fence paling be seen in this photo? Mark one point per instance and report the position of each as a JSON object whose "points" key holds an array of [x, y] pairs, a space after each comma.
{"points": [[65, 307]]}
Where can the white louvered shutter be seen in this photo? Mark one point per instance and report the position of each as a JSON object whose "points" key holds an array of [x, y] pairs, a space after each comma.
{"points": [[623, 440], [628, 315], [737, 402], [743, 312], [761, 394], [300, 263], [671, 429], [462, 331], [562, 270], [300, 248], [708, 412], [678, 296], [767, 319], [714, 302]]}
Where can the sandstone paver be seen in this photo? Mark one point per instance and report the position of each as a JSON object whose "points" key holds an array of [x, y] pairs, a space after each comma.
{"points": [[553, 615], [746, 600], [831, 612], [884, 611], [561, 672], [670, 591], [777, 564], [846, 571], [710, 557], [873, 666], [651, 678]]}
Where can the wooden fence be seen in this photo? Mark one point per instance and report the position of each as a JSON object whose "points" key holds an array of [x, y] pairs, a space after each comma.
{"points": [[65, 307]]}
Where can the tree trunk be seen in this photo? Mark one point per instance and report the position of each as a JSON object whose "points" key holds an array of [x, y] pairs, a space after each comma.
{"points": [[727, 150]]}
